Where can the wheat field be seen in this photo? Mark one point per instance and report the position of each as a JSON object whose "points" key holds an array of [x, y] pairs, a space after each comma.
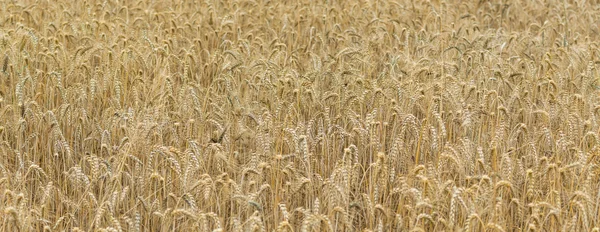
{"points": [[300, 115]]}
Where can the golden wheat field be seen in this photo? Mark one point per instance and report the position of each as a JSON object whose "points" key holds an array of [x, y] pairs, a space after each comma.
{"points": [[300, 115]]}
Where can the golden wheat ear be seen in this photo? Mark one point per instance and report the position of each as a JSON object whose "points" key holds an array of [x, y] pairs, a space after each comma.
{"points": [[5, 64]]}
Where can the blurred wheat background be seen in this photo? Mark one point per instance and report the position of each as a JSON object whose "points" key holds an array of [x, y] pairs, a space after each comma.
{"points": [[298, 115]]}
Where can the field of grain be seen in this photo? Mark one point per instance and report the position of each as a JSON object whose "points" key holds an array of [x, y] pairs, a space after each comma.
{"points": [[299, 115]]}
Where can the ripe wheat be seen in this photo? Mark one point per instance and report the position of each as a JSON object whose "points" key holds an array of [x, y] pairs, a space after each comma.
{"points": [[299, 115]]}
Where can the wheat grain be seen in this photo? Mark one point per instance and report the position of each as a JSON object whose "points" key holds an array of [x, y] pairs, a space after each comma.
{"points": [[179, 116]]}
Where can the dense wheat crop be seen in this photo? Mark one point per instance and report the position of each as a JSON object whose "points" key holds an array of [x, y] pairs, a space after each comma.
{"points": [[257, 115]]}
